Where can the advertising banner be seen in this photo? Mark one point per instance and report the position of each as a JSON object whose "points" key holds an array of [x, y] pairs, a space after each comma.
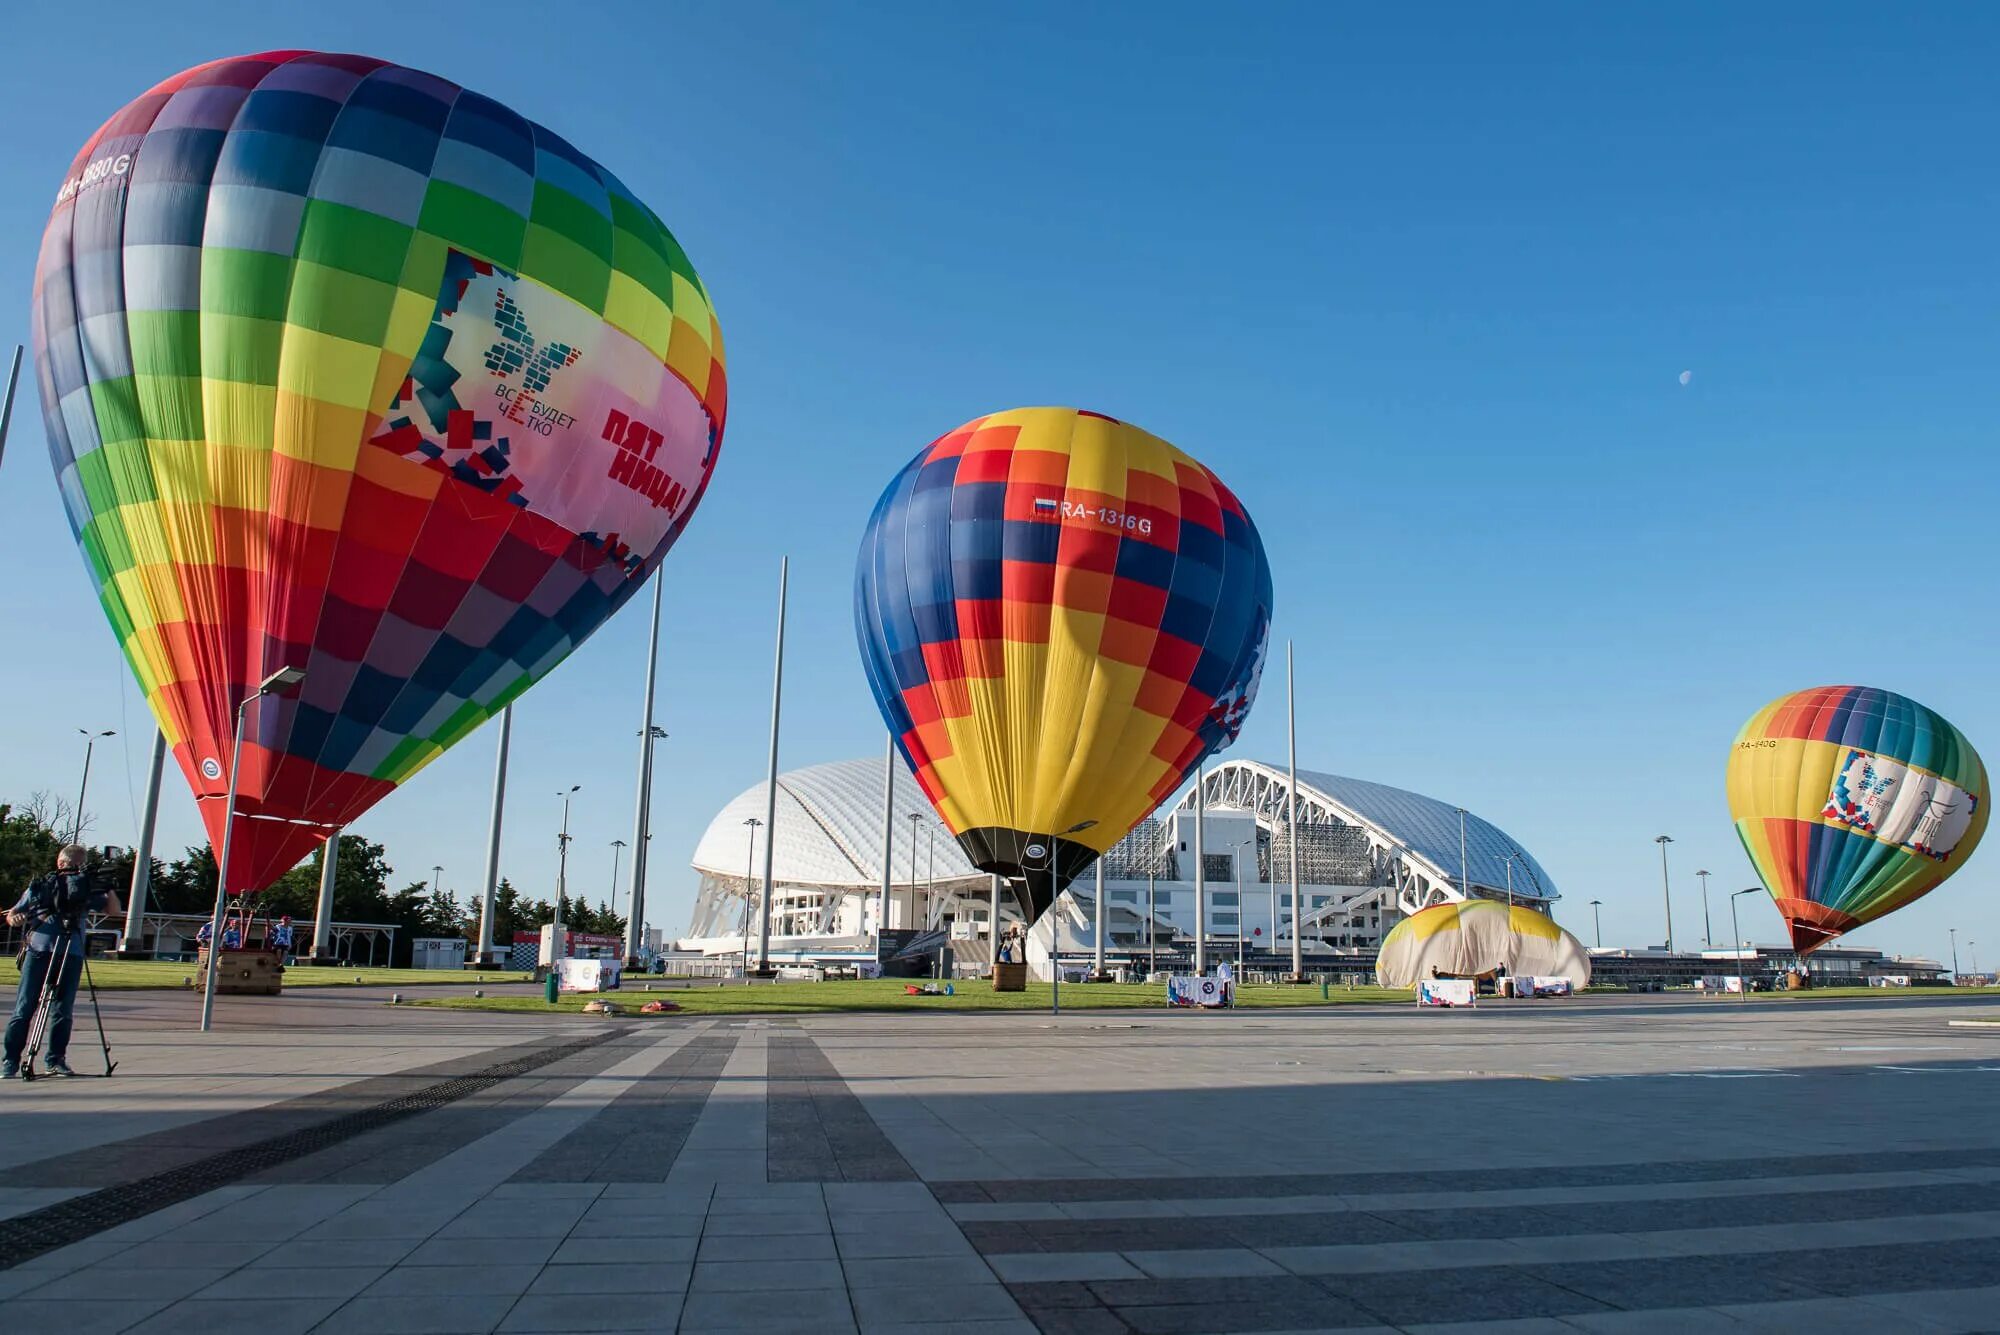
{"points": [[1446, 992], [598, 975], [1190, 989]]}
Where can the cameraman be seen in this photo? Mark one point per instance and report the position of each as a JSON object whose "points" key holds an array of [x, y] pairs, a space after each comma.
{"points": [[52, 909]]}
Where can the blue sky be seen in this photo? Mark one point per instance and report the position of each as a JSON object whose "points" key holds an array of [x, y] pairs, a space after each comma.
{"points": [[1418, 285]]}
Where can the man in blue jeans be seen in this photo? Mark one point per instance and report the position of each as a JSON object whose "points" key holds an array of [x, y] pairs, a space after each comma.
{"points": [[42, 910]]}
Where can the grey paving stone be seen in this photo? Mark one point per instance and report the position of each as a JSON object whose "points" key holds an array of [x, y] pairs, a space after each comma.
{"points": [[1050, 1267], [780, 1247], [336, 1253], [109, 1280], [644, 1277], [1195, 1264], [1482, 1294], [765, 1224], [758, 1276], [927, 1272], [676, 1225], [275, 1314], [419, 1314], [79, 1316], [626, 1251], [484, 1251], [877, 1197], [451, 1279], [263, 1282], [547, 1191], [950, 1301], [801, 1310], [1006, 1326], [613, 1312], [864, 1246]]}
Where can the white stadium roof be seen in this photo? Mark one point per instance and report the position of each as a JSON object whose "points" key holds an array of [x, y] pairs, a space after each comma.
{"points": [[829, 822]]}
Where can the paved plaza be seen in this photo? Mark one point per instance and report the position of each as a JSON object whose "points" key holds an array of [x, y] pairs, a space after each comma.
{"points": [[330, 1163]]}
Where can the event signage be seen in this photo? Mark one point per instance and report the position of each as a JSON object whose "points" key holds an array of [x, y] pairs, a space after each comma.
{"points": [[1446, 992]]}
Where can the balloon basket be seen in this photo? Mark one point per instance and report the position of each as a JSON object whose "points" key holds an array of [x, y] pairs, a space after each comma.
{"points": [[1010, 977], [243, 973]]}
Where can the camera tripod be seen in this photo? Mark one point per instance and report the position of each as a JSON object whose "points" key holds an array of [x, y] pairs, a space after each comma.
{"points": [[38, 1028]]}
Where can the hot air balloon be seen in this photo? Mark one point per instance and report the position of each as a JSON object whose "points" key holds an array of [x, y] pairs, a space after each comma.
{"points": [[1471, 938], [348, 368], [1853, 801], [1060, 616]]}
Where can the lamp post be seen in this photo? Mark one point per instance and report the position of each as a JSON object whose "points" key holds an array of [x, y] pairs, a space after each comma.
{"points": [[1954, 956], [764, 969], [1200, 875], [284, 679], [1666, 892], [1292, 814], [618, 846], [558, 946], [1598, 919], [7, 397], [90, 740], [1707, 933], [642, 821], [1511, 855], [749, 880], [1973, 947], [487, 957], [914, 817], [1736, 935], [1055, 922]]}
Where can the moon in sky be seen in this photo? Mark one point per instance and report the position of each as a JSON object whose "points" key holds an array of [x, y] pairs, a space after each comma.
{"points": [[1686, 376]]}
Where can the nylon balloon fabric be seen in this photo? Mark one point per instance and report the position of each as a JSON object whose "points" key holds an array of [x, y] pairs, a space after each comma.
{"points": [[1060, 616], [1470, 938], [1852, 802], [348, 368]]}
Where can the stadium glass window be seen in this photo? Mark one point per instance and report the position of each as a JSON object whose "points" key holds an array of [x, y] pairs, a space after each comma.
{"points": [[1124, 896], [1163, 896], [1224, 899], [1225, 920]]}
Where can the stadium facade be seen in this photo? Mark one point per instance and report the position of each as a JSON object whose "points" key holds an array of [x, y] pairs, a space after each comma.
{"points": [[1369, 855]]}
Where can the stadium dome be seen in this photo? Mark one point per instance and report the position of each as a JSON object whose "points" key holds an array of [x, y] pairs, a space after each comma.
{"points": [[1373, 854]]}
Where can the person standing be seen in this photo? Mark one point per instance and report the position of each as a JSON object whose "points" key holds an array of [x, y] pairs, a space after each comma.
{"points": [[52, 911]]}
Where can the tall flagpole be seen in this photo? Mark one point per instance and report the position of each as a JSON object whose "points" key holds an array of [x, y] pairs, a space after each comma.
{"points": [[7, 400], [1292, 812], [487, 956], [636, 917], [1200, 877], [771, 786], [134, 946]]}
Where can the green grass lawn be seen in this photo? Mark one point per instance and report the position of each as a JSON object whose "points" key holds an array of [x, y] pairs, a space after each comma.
{"points": [[886, 994], [121, 974]]}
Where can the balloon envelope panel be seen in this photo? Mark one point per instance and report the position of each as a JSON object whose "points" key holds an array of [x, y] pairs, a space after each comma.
{"points": [[1462, 940], [1852, 802], [1060, 616], [346, 367]]}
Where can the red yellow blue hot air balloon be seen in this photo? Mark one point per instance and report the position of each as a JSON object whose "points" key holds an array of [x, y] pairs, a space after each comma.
{"points": [[349, 368], [1852, 802], [1061, 616]]}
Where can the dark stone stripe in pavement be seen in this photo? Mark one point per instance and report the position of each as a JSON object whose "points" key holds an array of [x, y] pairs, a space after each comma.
{"points": [[816, 1130], [1348, 1227], [142, 1156], [392, 1153], [1333, 1184], [639, 1135], [26, 1236]]}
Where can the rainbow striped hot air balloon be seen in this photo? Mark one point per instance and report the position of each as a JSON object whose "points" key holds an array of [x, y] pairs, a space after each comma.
{"points": [[1060, 616], [1853, 802], [347, 367]]}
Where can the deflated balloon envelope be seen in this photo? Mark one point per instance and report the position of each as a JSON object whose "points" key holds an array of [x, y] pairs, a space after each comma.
{"points": [[1853, 802], [349, 368], [1060, 616]]}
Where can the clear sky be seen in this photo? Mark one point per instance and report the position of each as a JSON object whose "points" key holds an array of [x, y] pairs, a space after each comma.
{"points": [[1419, 285]]}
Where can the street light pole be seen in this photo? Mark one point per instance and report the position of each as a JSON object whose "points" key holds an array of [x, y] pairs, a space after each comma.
{"points": [[1954, 956], [282, 680], [618, 846], [558, 945], [1707, 933], [1597, 918], [1200, 878], [888, 842], [89, 743], [1666, 890], [749, 882], [642, 818], [142, 859], [1097, 929], [1736, 934], [488, 956], [771, 790], [1511, 855], [7, 399], [914, 817], [1292, 814]]}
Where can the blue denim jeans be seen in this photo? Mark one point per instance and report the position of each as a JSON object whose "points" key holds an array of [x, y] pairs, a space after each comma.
{"points": [[62, 1007]]}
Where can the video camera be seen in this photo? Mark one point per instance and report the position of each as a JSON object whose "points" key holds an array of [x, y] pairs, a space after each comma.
{"points": [[65, 897]]}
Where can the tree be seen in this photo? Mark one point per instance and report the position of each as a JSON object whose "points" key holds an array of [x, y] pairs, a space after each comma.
{"points": [[28, 847]]}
